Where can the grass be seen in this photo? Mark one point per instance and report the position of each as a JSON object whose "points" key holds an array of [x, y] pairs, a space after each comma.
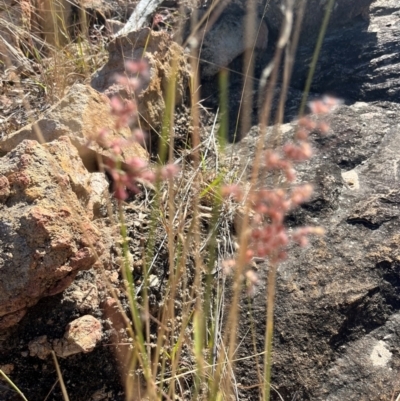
{"points": [[12, 385], [189, 349]]}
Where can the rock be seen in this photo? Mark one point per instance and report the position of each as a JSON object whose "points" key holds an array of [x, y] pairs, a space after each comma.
{"points": [[226, 40], [154, 281], [359, 61], [80, 115], [116, 318], [7, 369], [344, 11], [338, 301], [99, 194], [161, 53], [84, 295], [46, 235], [40, 347], [99, 6], [368, 356], [90, 188], [81, 335]]}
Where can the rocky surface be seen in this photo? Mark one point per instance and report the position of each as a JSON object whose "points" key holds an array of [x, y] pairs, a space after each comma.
{"points": [[343, 12], [81, 115], [230, 28], [46, 232], [165, 59], [338, 303], [81, 335], [88, 376], [338, 306], [360, 60]]}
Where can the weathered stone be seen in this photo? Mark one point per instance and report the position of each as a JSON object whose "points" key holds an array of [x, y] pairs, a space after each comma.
{"points": [[100, 6], [81, 335], [80, 116], [166, 61], [338, 301], [99, 194], [7, 369], [46, 235], [358, 61], [40, 347], [84, 295], [343, 12], [226, 40]]}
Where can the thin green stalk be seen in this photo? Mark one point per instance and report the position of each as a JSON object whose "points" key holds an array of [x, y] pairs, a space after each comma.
{"points": [[223, 107], [269, 333], [11, 383], [135, 310], [314, 60]]}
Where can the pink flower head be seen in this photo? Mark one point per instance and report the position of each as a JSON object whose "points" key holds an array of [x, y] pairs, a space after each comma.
{"points": [[148, 176], [169, 171], [119, 184], [124, 111], [233, 190], [228, 265], [299, 152], [332, 102], [290, 174], [249, 255], [318, 107], [251, 276], [132, 84], [272, 160], [301, 194], [301, 134], [136, 164], [307, 123], [157, 19], [138, 136], [140, 67], [324, 105], [323, 127], [117, 145]]}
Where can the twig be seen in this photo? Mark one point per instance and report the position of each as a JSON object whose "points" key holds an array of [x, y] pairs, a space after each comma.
{"points": [[139, 16]]}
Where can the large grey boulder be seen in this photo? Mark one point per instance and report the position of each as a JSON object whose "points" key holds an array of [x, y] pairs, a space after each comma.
{"points": [[338, 301], [343, 12], [360, 60]]}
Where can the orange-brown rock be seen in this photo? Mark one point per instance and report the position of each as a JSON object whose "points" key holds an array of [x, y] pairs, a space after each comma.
{"points": [[166, 60], [80, 115], [81, 335], [46, 232]]}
